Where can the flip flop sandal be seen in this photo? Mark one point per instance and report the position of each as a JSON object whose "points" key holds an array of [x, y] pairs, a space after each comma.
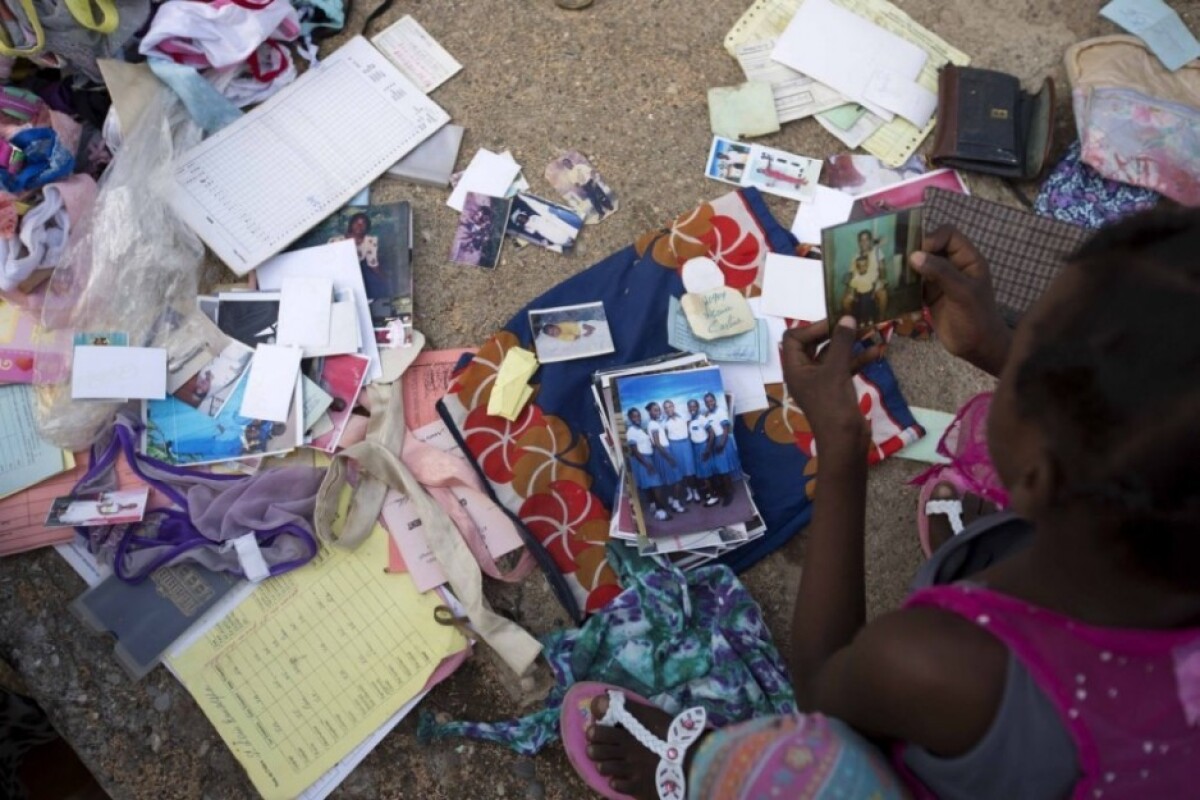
{"points": [[684, 730], [950, 506]]}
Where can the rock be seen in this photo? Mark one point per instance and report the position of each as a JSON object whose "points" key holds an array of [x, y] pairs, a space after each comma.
{"points": [[113, 678], [155, 742], [162, 703], [535, 791], [523, 769]]}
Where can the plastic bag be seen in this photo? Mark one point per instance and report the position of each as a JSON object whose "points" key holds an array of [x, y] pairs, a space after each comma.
{"points": [[134, 269]]}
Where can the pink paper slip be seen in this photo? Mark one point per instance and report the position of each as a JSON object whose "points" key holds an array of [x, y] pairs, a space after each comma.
{"points": [[425, 382]]}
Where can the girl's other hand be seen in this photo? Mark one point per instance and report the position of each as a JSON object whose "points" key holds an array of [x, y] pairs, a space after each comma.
{"points": [[958, 291], [822, 386]]}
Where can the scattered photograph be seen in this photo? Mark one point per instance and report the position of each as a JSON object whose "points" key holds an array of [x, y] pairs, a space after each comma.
{"points": [[574, 177], [906, 194], [179, 434], [857, 174], [250, 317], [770, 170], [681, 453], [549, 225], [727, 160], [866, 267], [382, 235], [784, 174], [102, 338], [570, 332], [341, 377], [208, 389], [100, 508], [480, 232]]}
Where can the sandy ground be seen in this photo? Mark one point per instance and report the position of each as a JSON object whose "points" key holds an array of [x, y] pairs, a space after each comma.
{"points": [[625, 82]]}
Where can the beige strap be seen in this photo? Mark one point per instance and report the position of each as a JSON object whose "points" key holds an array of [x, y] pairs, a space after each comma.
{"points": [[380, 469]]}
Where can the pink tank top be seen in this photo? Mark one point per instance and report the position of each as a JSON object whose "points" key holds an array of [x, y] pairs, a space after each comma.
{"points": [[1130, 699]]}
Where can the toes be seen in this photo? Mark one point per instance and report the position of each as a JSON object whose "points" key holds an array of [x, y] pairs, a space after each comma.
{"points": [[624, 786], [606, 752], [942, 491], [617, 770], [605, 734], [599, 706]]}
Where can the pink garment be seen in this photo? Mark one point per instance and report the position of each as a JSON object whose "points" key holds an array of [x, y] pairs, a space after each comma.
{"points": [[965, 444], [1130, 699], [217, 34]]}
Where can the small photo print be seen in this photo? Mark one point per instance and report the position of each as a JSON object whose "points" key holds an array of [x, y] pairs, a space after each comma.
{"points": [[727, 160], [208, 389], [574, 177], [858, 174], [549, 225], [866, 267], [781, 173], [100, 508], [250, 317], [480, 232], [906, 194], [341, 377], [570, 332]]}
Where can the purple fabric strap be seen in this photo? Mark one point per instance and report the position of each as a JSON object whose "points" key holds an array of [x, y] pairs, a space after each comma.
{"points": [[177, 534]]}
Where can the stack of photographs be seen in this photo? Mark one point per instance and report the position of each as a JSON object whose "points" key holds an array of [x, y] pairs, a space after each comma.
{"points": [[682, 492]]}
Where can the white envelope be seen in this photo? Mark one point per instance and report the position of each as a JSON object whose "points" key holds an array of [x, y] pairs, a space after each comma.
{"points": [[119, 373], [845, 52], [271, 384]]}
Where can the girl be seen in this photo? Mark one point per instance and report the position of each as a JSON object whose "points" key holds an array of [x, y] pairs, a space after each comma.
{"points": [[680, 445], [700, 432], [1053, 650], [726, 466], [664, 462], [646, 477]]}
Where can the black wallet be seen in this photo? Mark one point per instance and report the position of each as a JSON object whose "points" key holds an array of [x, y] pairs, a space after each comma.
{"points": [[986, 123]]}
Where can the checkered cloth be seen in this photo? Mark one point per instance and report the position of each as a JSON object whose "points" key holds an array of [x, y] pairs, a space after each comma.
{"points": [[1024, 251]]}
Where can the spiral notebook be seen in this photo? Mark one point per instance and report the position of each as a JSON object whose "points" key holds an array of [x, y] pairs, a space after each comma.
{"points": [[257, 185]]}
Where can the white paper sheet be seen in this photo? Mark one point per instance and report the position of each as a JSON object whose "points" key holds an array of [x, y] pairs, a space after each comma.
{"points": [[488, 173], [845, 51], [258, 184], [119, 373], [417, 54], [337, 261], [744, 380], [796, 96], [305, 306], [828, 208], [772, 371], [793, 288], [271, 385]]}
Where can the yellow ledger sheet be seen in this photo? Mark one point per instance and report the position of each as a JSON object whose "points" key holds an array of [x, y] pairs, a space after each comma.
{"points": [[313, 662], [897, 140]]}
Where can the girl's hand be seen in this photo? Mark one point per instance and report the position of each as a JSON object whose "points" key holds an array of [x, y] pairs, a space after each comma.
{"points": [[822, 385], [958, 291]]}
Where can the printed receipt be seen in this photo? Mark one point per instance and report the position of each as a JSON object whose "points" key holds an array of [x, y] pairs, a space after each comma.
{"points": [[313, 662]]}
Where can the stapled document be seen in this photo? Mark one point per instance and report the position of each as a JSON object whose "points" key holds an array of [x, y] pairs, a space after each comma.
{"points": [[119, 373]]}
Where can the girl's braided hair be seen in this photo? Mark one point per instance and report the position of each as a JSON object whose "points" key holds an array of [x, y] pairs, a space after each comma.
{"points": [[1113, 381]]}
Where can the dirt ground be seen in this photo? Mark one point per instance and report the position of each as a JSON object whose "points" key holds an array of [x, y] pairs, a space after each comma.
{"points": [[625, 82]]}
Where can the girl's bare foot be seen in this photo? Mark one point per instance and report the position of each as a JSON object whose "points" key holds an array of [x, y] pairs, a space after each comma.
{"points": [[973, 507], [628, 765]]}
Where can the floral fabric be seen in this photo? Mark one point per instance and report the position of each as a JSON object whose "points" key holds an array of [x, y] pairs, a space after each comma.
{"points": [[1074, 192], [1141, 140], [678, 639], [549, 468]]}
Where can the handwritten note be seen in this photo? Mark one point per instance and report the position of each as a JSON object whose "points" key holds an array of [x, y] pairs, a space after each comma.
{"points": [[717, 313], [313, 662]]}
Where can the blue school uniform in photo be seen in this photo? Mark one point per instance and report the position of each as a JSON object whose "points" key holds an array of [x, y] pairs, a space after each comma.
{"points": [[669, 472], [725, 460], [639, 440], [680, 445], [698, 428]]}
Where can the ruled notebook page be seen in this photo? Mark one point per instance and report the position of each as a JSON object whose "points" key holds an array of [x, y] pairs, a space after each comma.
{"points": [[255, 186]]}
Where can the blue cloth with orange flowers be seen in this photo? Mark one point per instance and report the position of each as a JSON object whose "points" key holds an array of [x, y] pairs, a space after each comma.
{"points": [[549, 468]]}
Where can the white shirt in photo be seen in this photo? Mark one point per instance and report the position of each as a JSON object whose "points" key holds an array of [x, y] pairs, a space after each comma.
{"points": [[677, 427], [639, 439], [658, 431], [698, 428]]}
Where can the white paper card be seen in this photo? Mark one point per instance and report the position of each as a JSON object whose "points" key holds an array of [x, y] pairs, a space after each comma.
{"points": [[745, 382], [772, 371], [337, 261], [843, 51], [271, 385], [417, 54], [305, 306], [488, 173], [119, 373], [828, 207], [344, 336], [793, 288], [250, 558]]}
